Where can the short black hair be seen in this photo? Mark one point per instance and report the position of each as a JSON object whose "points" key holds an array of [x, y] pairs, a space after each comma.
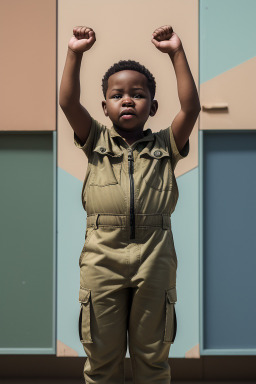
{"points": [[131, 65]]}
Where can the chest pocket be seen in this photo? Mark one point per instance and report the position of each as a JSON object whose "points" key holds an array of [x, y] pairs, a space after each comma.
{"points": [[157, 169], [105, 167]]}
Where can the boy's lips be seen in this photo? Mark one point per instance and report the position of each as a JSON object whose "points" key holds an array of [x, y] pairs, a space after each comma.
{"points": [[127, 112], [127, 117]]}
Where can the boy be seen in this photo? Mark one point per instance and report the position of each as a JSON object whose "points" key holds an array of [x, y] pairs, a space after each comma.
{"points": [[128, 262]]}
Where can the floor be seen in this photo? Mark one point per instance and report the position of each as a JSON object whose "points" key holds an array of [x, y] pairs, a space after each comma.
{"points": [[23, 369]]}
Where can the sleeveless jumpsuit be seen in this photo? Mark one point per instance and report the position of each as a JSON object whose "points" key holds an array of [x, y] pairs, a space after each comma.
{"points": [[128, 262]]}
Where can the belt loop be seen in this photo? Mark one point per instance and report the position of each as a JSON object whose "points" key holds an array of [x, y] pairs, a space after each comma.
{"points": [[165, 221], [96, 221]]}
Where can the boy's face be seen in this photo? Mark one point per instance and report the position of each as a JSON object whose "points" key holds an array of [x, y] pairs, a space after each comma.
{"points": [[128, 101]]}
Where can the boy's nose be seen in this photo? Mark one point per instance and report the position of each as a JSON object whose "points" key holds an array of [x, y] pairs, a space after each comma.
{"points": [[127, 101]]}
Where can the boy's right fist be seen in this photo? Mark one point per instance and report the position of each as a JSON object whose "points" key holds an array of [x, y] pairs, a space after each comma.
{"points": [[83, 39]]}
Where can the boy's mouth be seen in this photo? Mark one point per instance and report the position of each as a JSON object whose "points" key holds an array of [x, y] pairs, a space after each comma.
{"points": [[127, 117], [127, 114]]}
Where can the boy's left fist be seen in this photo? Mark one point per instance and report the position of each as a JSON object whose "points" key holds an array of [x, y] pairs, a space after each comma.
{"points": [[166, 40]]}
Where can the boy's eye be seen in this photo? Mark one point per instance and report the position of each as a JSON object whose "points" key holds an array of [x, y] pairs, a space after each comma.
{"points": [[138, 96], [116, 96]]}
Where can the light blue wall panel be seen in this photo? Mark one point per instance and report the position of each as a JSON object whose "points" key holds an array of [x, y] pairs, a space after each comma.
{"points": [[229, 241], [227, 35], [71, 235], [185, 234]]}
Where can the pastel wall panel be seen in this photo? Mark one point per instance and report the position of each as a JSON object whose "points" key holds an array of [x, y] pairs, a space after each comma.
{"points": [[228, 100], [28, 65], [27, 243], [227, 64], [227, 35], [124, 37], [228, 263], [185, 232]]}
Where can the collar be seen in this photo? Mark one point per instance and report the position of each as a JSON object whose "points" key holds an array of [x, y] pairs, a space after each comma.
{"points": [[148, 135]]}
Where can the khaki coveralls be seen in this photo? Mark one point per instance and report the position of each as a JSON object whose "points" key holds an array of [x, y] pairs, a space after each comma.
{"points": [[128, 262]]}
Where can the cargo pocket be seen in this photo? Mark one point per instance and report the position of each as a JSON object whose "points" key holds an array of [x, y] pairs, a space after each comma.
{"points": [[84, 324], [105, 167], [170, 315], [156, 169]]}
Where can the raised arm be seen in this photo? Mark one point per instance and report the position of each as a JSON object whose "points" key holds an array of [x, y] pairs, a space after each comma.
{"points": [[69, 94], [168, 42]]}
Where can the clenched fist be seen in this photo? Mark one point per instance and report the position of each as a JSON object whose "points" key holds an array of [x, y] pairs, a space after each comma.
{"points": [[82, 40], [166, 40]]}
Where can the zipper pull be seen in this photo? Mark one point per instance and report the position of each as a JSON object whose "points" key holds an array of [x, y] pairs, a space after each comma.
{"points": [[130, 159]]}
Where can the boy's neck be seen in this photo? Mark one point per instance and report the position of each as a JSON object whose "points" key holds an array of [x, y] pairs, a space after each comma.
{"points": [[130, 136]]}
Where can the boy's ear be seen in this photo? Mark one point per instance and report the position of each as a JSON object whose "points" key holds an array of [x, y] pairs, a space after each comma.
{"points": [[104, 106], [154, 108]]}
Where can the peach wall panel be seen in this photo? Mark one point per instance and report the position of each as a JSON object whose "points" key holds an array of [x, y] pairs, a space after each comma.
{"points": [[28, 65], [236, 89], [123, 31]]}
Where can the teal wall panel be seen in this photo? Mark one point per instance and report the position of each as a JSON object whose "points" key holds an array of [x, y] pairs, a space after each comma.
{"points": [[71, 237], [185, 233], [27, 231], [227, 35]]}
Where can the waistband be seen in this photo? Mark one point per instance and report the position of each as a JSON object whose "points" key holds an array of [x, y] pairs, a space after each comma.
{"points": [[123, 221]]}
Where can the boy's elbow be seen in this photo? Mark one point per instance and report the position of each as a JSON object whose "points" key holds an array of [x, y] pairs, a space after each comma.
{"points": [[64, 101], [197, 109], [193, 111], [61, 102], [62, 105], [65, 105]]}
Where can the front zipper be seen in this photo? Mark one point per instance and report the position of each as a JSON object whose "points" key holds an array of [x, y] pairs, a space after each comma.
{"points": [[132, 216]]}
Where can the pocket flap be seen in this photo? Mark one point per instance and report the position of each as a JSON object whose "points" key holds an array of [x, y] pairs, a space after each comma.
{"points": [[104, 150], [84, 295], [156, 153], [172, 295]]}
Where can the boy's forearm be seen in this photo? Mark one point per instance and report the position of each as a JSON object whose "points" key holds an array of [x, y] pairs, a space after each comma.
{"points": [[70, 82], [187, 91]]}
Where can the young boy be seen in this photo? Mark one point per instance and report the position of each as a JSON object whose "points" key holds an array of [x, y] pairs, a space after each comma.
{"points": [[128, 263]]}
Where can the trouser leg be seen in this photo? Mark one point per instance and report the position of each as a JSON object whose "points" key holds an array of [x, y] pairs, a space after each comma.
{"points": [[147, 346], [152, 321], [103, 333]]}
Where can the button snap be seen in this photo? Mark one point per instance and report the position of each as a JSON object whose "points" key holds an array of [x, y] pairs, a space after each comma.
{"points": [[102, 149], [158, 153]]}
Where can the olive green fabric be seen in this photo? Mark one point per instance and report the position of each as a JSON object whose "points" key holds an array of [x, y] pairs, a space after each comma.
{"points": [[128, 262]]}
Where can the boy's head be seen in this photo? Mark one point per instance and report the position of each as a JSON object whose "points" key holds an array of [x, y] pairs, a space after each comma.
{"points": [[129, 90], [129, 65]]}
